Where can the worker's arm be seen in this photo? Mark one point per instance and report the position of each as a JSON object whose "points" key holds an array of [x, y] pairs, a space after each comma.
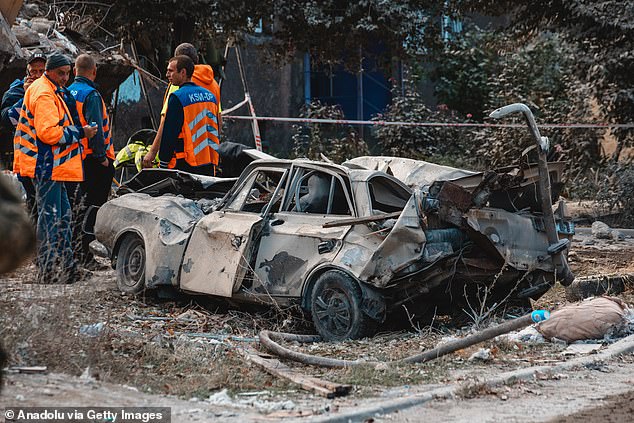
{"points": [[148, 159], [11, 105], [47, 125], [93, 112], [174, 119], [10, 115]]}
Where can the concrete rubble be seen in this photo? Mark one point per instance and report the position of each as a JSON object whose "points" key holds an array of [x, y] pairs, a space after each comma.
{"points": [[33, 29]]}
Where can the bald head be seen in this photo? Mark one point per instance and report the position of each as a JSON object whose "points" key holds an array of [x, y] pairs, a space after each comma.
{"points": [[86, 66], [186, 49]]}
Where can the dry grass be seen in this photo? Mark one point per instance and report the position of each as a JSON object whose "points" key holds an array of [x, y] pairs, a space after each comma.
{"points": [[41, 325]]}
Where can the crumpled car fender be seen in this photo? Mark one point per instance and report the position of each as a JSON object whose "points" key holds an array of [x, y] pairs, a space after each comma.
{"points": [[164, 224]]}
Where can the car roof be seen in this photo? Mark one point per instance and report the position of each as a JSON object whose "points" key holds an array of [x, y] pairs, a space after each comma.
{"points": [[355, 174]]}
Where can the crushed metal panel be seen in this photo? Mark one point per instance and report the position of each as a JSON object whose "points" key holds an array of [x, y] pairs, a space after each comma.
{"points": [[411, 172], [356, 252], [514, 237], [163, 223], [216, 258], [292, 244], [402, 247], [455, 195]]}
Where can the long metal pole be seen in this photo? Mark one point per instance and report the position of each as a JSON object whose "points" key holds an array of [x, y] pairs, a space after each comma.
{"points": [[143, 89]]}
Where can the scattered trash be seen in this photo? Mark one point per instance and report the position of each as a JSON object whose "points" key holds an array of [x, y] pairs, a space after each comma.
{"points": [[483, 354], [223, 398], [28, 369], [85, 376], [617, 235], [92, 330], [578, 349], [589, 319], [220, 398], [528, 335], [601, 230], [540, 315]]}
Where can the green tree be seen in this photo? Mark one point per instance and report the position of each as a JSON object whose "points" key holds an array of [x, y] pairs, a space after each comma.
{"points": [[601, 36], [331, 30]]}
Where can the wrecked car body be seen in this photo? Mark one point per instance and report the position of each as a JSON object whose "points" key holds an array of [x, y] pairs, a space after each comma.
{"points": [[349, 243]]}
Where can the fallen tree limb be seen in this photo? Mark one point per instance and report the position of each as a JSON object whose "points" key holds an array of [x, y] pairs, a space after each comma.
{"points": [[266, 338], [309, 383]]}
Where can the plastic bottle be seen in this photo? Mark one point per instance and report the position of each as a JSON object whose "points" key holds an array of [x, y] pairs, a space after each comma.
{"points": [[540, 315]]}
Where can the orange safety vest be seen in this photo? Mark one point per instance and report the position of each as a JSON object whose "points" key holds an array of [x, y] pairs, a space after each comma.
{"points": [[81, 90], [46, 142], [203, 77], [200, 126]]}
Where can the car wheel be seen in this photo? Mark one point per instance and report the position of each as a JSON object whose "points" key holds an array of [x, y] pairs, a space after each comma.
{"points": [[592, 286], [131, 265], [336, 308]]}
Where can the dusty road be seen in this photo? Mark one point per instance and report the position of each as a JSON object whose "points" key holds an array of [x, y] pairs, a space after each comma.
{"points": [[102, 348], [599, 393]]}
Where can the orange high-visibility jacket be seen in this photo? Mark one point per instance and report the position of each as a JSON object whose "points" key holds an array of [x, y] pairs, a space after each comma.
{"points": [[80, 91], [200, 126], [46, 143]]}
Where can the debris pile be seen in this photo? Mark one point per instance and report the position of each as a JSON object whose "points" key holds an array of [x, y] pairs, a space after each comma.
{"points": [[41, 27]]}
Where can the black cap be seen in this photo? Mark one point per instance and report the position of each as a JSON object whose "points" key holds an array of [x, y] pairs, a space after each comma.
{"points": [[37, 55], [57, 60]]}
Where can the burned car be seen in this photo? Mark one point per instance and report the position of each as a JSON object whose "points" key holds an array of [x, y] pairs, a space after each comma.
{"points": [[350, 243]]}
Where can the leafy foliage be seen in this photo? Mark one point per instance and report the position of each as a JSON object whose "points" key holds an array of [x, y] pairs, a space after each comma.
{"points": [[616, 190], [331, 30], [338, 143], [487, 71], [440, 144], [600, 38], [462, 72]]}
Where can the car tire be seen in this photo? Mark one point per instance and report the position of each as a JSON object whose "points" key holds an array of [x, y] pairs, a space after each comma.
{"points": [[593, 286], [131, 265], [336, 310]]}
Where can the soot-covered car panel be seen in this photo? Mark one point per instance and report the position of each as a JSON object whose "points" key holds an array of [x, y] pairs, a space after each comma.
{"points": [[351, 243]]}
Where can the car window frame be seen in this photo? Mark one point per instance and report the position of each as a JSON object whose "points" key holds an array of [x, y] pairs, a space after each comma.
{"points": [[386, 177], [248, 180], [294, 181]]}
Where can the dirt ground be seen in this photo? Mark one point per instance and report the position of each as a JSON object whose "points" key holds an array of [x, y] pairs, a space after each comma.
{"points": [[102, 347]]}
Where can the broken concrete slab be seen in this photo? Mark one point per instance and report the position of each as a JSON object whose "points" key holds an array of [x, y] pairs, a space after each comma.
{"points": [[10, 50]]}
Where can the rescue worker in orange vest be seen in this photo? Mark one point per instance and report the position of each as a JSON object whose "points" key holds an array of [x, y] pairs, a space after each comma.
{"points": [[98, 154], [190, 134], [47, 149], [11, 105], [203, 77]]}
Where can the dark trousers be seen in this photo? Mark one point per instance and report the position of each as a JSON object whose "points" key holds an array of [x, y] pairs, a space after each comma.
{"points": [[29, 189], [94, 191], [54, 232]]}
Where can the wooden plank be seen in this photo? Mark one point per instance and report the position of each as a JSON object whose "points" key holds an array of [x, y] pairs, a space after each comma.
{"points": [[309, 383], [359, 220], [28, 369]]}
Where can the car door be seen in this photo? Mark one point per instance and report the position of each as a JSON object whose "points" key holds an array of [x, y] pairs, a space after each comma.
{"points": [[218, 252], [294, 240]]}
